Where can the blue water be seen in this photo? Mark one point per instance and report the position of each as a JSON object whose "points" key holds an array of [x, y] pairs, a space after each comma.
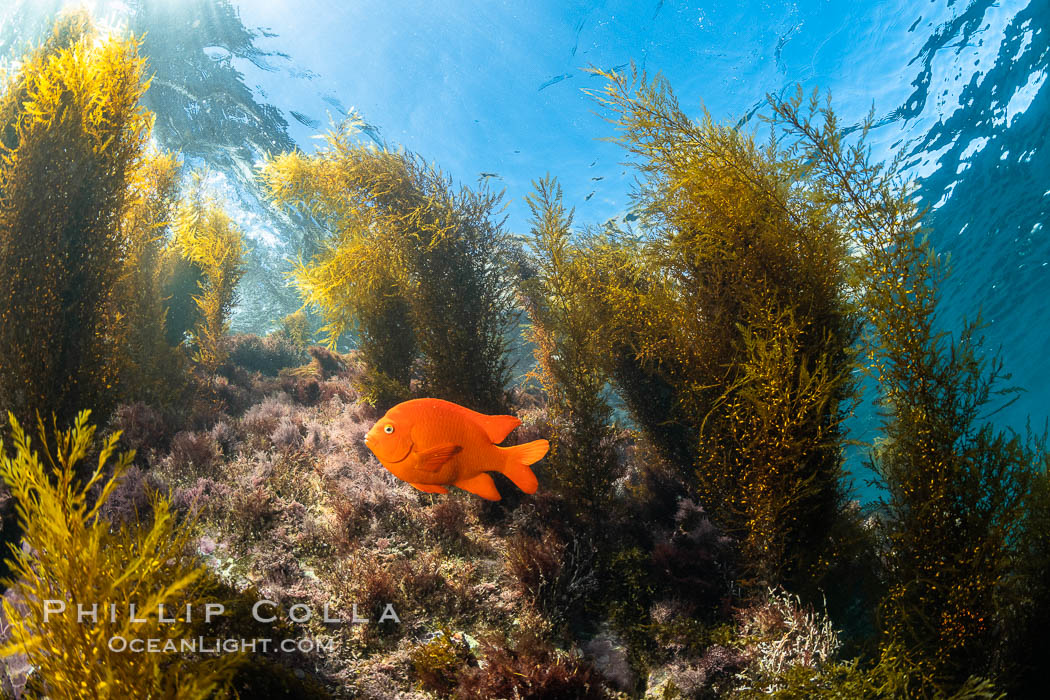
{"points": [[495, 92]]}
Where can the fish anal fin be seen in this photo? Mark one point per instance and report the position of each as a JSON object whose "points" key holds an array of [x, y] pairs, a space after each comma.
{"points": [[430, 488], [480, 485], [431, 460]]}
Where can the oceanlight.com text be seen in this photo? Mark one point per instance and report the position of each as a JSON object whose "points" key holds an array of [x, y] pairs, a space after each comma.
{"points": [[203, 645]]}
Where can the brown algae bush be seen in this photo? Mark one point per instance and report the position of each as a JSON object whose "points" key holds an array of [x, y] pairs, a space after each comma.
{"points": [[205, 235], [960, 499], [567, 340], [74, 556], [728, 318], [154, 370], [72, 132], [758, 276], [95, 288], [415, 267]]}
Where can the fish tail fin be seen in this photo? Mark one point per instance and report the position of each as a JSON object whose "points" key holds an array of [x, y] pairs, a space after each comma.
{"points": [[519, 457]]}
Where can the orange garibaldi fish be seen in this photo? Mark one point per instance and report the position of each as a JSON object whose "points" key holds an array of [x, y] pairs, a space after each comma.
{"points": [[432, 444]]}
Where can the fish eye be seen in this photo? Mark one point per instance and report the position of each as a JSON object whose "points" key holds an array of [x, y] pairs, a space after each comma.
{"points": [[388, 429]]}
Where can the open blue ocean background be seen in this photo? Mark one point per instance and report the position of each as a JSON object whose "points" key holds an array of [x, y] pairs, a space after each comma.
{"points": [[494, 92]]}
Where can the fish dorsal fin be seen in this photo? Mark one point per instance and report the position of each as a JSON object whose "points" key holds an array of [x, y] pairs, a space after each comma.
{"points": [[497, 428], [431, 460]]}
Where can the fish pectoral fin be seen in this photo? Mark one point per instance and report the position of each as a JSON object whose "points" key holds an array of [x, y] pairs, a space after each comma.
{"points": [[430, 488], [432, 459], [480, 485]]}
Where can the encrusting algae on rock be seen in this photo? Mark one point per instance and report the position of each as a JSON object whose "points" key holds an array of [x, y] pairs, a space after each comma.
{"points": [[432, 444]]}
